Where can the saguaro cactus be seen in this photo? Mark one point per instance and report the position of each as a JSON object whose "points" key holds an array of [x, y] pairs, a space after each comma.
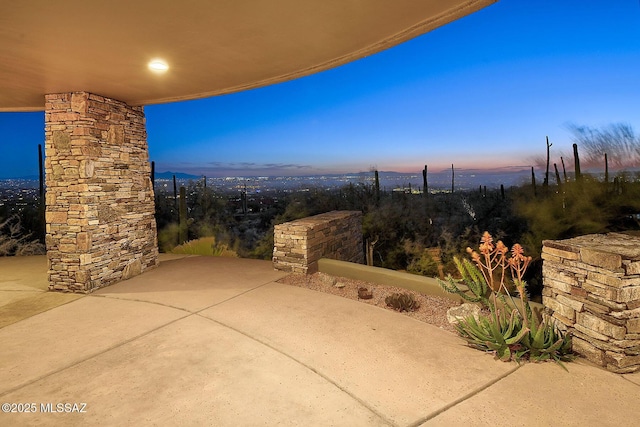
{"points": [[452, 178], [425, 184], [243, 200], [153, 175], [184, 228], [41, 201], [576, 162], [546, 175], [377, 187], [41, 172], [175, 192], [555, 166], [533, 181]]}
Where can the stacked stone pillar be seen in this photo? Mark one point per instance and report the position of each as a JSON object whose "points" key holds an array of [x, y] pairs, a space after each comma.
{"points": [[298, 245], [99, 199], [592, 289]]}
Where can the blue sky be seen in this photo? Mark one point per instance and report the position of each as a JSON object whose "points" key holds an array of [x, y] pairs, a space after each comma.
{"points": [[481, 92]]}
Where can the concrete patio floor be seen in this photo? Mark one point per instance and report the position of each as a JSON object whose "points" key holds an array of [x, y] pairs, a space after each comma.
{"points": [[216, 341]]}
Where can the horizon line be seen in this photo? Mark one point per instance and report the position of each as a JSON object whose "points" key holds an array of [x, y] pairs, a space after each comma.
{"points": [[252, 174]]}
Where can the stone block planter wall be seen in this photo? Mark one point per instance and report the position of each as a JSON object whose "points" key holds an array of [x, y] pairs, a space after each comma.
{"points": [[298, 245], [99, 200], [592, 289]]}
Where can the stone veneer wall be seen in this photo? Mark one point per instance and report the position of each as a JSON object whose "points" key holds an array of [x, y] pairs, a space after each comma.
{"points": [[592, 289], [298, 245], [99, 200]]}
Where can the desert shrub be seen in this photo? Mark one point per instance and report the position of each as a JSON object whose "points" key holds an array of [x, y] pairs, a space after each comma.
{"points": [[13, 241], [578, 208], [424, 265], [204, 246], [420, 260], [30, 248], [168, 237], [263, 248]]}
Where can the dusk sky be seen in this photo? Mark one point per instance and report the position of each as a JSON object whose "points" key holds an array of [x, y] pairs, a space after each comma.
{"points": [[481, 92]]}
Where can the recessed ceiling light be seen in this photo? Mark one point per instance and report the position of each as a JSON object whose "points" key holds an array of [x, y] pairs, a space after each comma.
{"points": [[158, 66]]}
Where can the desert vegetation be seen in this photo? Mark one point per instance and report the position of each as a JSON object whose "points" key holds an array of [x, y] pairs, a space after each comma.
{"points": [[423, 232], [15, 241], [408, 229], [411, 231], [511, 330]]}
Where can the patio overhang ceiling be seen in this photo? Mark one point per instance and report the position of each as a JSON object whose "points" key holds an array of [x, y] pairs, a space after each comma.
{"points": [[211, 47]]}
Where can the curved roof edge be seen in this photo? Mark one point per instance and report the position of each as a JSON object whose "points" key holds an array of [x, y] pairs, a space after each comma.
{"points": [[247, 48]]}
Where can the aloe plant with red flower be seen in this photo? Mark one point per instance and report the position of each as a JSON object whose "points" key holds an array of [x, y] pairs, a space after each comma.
{"points": [[512, 331]]}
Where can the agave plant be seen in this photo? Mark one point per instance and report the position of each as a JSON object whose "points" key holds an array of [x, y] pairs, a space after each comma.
{"points": [[498, 332], [402, 302], [545, 342]]}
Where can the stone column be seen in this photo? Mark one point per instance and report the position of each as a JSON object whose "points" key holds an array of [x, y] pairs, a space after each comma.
{"points": [[99, 200], [592, 289], [299, 245]]}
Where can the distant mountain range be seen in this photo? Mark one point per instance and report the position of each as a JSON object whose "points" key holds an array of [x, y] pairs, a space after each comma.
{"points": [[161, 175], [505, 171], [178, 175]]}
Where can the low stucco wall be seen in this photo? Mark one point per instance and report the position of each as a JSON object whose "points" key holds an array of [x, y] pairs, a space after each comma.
{"points": [[383, 276]]}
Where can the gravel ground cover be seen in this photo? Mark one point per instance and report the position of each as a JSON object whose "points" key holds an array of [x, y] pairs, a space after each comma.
{"points": [[433, 309]]}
